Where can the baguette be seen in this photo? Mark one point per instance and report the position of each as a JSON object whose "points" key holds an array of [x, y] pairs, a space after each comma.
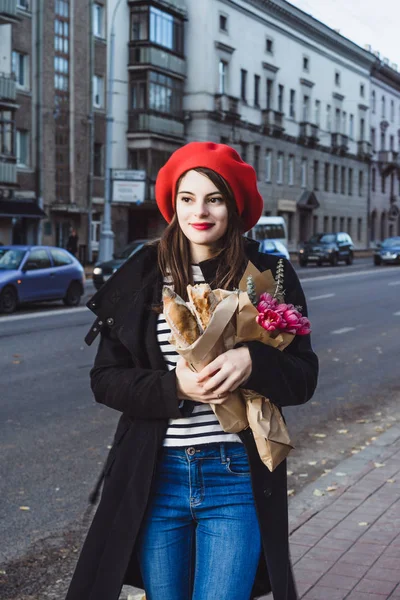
{"points": [[183, 324], [203, 302]]}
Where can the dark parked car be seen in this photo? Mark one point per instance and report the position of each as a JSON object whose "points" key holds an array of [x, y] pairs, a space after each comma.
{"points": [[388, 252], [37, 273], [327, 247], [103, 271]]}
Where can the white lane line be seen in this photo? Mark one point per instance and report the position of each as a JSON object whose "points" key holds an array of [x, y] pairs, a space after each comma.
{"points": [[343, 330], [343, 275], [394, 283], [46, 313], [397, 314], [321, 297]]}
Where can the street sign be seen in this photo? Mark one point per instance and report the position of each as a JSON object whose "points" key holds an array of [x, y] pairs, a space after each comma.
{"points": [[128, 191], [128, 175]]}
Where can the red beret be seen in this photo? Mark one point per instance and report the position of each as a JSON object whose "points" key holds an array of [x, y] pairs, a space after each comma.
{"points": [[222, 159]]}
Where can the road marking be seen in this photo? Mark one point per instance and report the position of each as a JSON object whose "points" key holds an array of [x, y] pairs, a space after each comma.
{"points": [[46, 313], [397, 314], [322, 297], [342, 275], [343, 330], [394, 283]]}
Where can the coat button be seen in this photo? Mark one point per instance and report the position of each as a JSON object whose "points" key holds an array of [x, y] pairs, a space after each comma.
{"points": [[267, 492], [110, 321]]}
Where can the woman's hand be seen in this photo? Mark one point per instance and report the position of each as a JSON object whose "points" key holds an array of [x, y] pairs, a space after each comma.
{"points": [[227, 372], [189, 387]]}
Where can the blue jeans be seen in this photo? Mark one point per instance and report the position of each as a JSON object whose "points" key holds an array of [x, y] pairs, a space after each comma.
{"points": [[200, 538]]}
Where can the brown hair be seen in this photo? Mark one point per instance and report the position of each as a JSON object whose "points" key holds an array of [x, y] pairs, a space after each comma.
{"points": [[174, 249]]}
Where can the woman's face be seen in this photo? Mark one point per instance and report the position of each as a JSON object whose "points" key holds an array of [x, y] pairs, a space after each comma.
{"points": [[202, 213]]}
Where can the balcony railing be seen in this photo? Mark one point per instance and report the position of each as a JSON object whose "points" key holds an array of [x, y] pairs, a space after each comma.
{"points": [[8, 173], [153, 122], [389, 157], [8, 87], [227, 105], [272, 121], [8, 11], [364, 149], [156, 57], [339, 142], [308, 133]]}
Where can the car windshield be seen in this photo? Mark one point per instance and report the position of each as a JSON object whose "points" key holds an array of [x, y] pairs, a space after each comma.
{"points": [[391, 242], [10, 259], [328, 238], [128, 250]]}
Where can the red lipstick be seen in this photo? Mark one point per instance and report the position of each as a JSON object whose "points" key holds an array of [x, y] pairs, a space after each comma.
{"points": [[202, 226]]}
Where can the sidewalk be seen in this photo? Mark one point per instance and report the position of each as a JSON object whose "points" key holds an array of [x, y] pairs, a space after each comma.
{"points": [[345, 527]]}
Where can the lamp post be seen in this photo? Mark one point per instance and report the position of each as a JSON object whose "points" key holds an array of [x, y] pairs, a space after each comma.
{"points": [[106, 245]]}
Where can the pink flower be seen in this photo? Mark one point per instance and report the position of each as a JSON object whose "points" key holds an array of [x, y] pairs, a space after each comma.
{"points": [[267, 302], [270, 320], [305, 327]]}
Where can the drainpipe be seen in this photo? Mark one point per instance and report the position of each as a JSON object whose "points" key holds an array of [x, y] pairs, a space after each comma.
{"points": [[39, 114], [369, 203], [91, 135]]}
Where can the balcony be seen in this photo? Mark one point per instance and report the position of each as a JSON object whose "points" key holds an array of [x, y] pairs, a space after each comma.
{"points": [[272, 122], [308, 133], [364, 149], [156, 57], [388, 160], [8, 88], [8, 173], [339, 143], [227, 107], [8, 12], [152, 122]]}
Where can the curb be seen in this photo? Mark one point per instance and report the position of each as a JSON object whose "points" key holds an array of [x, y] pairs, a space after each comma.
{"points": [[304, 506]]}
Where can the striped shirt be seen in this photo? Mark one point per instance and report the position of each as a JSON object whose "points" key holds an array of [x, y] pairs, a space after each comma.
{"points": [[202, 427]]}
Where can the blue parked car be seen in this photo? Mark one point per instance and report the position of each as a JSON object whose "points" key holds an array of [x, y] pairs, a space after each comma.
{"points": [[388, 253], [37, 273], [274, 247]]}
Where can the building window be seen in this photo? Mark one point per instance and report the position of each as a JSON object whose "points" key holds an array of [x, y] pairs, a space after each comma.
{"points": [[158, 27], [343, 180], [383, 140], [256, 90], [391, 142], [98, 91], [279, 174], [270, 87], [165, 94], [334, 224], [344, 122], [98, 20], [268, 166], [383, 107], [373, 180], [349, 225], [337, 78], [326, 177], [243, 85], [383, 184], [350, 182], [326, 224], [269, 46], [337, 120], [362, 90], [23, 4], [223, 22], [306, 108], [306, 63], [335, 178], [315, 224], [257, 160], [359, 229], [244, 147], [373, 138], [318, 112], [360, 183], [362, 129], [316, 175], [98, 160], [139, 25], [341, 223], [328, 118], [222, 73], [292, 106], [373, 101], [392, 110], [280, 98], [291, 170], [6, 133], [303, 172], [20, 69], [351, 127], [22, 148]]}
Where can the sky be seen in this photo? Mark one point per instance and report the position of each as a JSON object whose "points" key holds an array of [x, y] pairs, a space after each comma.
{"points": [[362, 21]]}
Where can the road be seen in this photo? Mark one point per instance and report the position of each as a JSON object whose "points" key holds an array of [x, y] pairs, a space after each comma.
{"points": [[53, 436]]}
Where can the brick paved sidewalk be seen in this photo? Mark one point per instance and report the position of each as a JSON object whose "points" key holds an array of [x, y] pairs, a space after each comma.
{"points": [[345, 544]]}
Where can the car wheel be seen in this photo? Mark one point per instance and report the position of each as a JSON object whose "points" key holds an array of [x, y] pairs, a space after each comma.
{"points": [[8, 300], [303, 262], [73, 295], [334, 260], [349, 259], [377, 261]]}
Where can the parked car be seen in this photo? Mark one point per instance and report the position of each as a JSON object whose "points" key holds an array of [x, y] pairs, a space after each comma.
{"points": [[274, 247], [388, 252], [327, 247], [103, 270], [39, 273]]}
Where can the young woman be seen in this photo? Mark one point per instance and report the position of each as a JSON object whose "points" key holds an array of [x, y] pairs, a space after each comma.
{"points": [[189, 512]]}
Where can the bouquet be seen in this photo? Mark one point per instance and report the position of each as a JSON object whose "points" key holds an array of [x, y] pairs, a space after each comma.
{"points": [[214, 321]]}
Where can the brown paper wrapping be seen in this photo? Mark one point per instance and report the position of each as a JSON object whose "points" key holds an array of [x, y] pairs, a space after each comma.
{"points": [[234, 321]]}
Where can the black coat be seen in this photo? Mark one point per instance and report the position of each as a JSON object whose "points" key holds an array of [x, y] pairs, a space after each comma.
{"points": [[130, 375]]}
